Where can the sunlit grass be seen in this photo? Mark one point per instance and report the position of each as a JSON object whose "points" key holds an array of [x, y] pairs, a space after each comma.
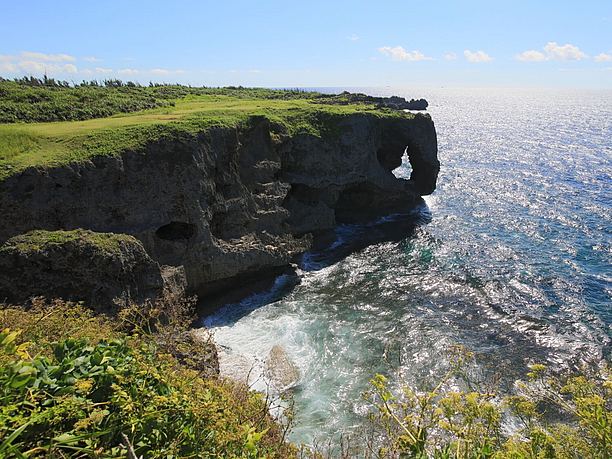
{"points": [[45, 144]]}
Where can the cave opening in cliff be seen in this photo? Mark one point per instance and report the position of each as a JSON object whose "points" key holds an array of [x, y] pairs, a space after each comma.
{"points": [[176, 231], [393, 156], [404, 170]]}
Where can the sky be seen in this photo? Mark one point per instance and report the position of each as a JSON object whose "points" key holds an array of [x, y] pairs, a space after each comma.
{"points": [[432, 43]]}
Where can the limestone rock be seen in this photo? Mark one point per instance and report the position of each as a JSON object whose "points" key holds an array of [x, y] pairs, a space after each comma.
{"points": [[100, 269], [280, 370], [236, 367], [393, 102], [228, 201], [195, 349]]}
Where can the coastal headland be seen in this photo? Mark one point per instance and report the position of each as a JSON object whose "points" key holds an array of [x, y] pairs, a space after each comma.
{"points": [[207, 188]]}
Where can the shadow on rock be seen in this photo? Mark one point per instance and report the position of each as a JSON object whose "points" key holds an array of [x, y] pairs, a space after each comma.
{"points": [[329, 248]]}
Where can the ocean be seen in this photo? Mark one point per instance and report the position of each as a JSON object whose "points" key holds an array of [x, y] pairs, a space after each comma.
{"points": [[511, 257]]}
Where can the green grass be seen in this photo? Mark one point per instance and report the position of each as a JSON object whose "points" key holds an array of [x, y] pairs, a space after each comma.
{"points": [[23, 145], [30, 99], [38, 240]]}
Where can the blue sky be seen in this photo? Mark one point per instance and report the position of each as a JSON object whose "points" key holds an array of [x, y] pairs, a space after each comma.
{"points": [[470, 43]]}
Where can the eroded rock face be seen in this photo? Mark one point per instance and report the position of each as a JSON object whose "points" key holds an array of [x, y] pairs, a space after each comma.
{"points": [[350, 176], [100, 269], [394, 102], [230, 201]]}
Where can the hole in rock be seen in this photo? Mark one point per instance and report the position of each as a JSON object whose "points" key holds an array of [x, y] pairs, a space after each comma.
{"points": [[390, 156], [404, 169], [393, 156], [175, 231]]}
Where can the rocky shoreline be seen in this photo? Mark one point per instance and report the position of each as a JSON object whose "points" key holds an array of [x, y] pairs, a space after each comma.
{"points": [[205, 211]]}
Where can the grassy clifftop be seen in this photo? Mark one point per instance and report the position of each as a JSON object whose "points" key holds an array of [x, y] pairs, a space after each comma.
{"points": [[177, 111], [34, 100], [40, 240]]}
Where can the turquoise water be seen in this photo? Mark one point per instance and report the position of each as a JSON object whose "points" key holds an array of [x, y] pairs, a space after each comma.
{"points": [[511, 257]]}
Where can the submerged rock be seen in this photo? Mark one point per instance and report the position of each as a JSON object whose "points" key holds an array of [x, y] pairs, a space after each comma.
{"points": [[280, 370]]}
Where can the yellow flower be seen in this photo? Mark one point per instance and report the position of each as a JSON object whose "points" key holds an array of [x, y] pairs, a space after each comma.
{"points": [[84, 385]]}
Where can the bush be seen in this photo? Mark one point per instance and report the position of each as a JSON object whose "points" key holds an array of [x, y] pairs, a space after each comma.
{"points": [[44, 322], [108, 395], [22, 101], [446, 423], [34, 100]]}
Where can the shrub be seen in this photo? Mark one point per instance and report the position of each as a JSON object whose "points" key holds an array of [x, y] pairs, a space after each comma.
{"points": [[45, 322], [104, 395], [33, 100], [75, 384], [444, 422]]}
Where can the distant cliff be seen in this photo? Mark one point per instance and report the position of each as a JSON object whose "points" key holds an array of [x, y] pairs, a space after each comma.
{"points": [[225, 202]]}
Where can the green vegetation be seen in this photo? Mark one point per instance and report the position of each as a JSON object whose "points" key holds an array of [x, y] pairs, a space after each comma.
{"points": [[77, 385], [445, 423], [30, 99], [38, 240], [180, 113]]}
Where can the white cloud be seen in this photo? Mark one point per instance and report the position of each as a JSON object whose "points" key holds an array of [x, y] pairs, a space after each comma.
{"points": [[553, 52], [565, 52], [38, 63], [603, 57], [7, 64], [32, 66], [35, 63], [353, 37], [398, 53], [31, 56], [96, 71], [450, 56], [7, 67], [255, 71], [48, 68], [477, 56], [166, 71], [531, 56], [69, 68], [128, 72]]}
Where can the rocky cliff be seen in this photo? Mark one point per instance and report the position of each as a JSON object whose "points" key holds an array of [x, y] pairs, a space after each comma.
{"points": [[230, 201], [104, 270]]}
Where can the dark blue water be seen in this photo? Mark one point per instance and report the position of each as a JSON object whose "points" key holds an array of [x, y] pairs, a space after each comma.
{"points": [[515, 262]]}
